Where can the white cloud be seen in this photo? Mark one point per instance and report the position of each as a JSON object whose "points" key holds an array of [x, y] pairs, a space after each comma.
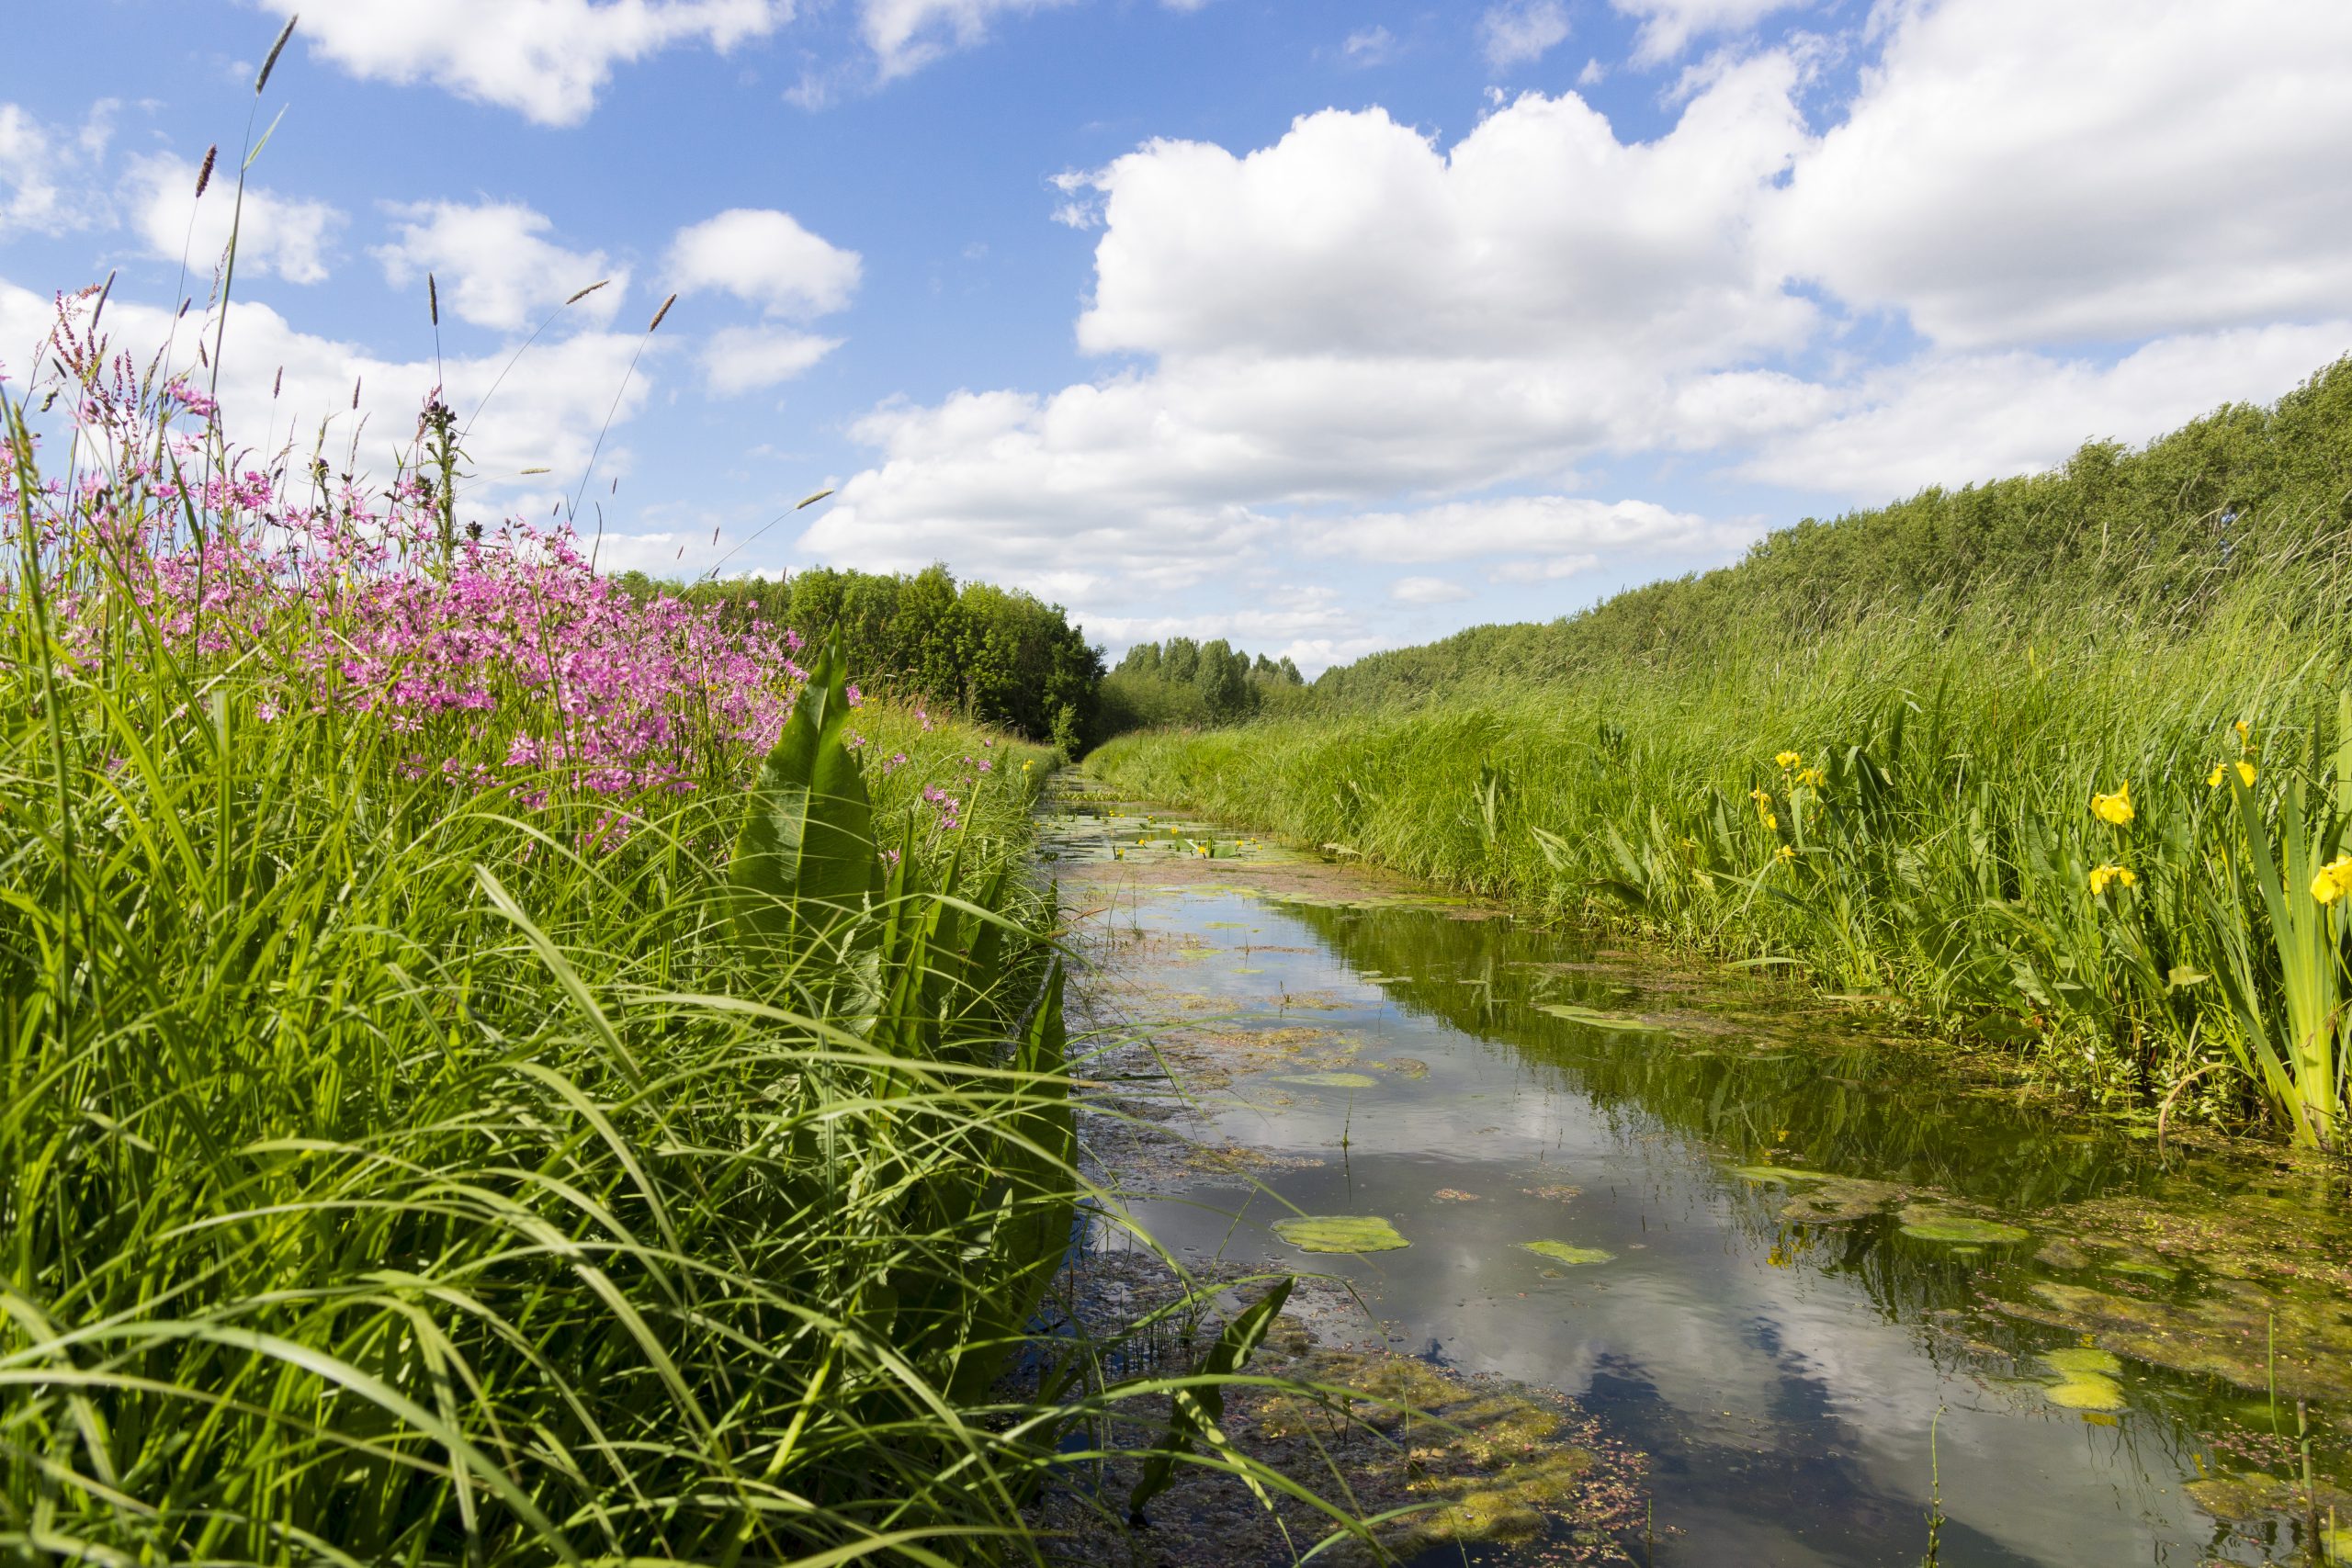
{"points": [[1951, 419], [745, 359], [46, 173], [908, 34], [1427, 591], [494, 265], [1518, 32], [545, 59], [1669, 25], [1538, 235], [290, 237], [2015, 171], [1369, 46], [1552, 526], [767, 258], [280, 385]]}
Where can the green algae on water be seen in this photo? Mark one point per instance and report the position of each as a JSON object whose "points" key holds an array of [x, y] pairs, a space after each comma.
{"points": [[1776, 1173], [1332, 1080], [1593, 1018], [1340, 1233], [1959, 1230], [2087, 1392], [1564, 1252], [2084, 1360]]}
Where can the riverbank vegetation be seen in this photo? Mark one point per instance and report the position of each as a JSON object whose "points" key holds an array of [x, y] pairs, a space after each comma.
{"points": [[994, 655], [499, 1068], [1183, 682], [2062, 759]]}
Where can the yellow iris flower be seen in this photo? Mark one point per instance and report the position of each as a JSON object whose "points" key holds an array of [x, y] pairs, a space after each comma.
{"points": [[2103, 874], [1787, 854], [1789, 760], [2333, 881], [2114, 808], [2222, 771], [1811, 778]]}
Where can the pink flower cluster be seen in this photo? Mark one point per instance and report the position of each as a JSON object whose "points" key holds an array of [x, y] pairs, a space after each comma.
{"points": [[497, 658]]}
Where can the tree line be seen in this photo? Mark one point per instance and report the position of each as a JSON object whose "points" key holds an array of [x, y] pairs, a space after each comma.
{"points": [[995, 654], [1181, 681]]}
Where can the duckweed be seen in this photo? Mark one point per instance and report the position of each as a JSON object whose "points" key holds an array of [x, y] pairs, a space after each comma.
{"points": [[1564, 1252]]}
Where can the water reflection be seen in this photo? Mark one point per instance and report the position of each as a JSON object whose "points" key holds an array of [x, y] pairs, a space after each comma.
{"points": [[1786, 1371]]}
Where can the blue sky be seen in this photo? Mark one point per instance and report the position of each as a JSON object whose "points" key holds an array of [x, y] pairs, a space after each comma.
{"points": [[1322, 327]]}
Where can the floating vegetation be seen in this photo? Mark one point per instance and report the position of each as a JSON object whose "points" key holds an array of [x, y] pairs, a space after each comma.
{"points": [[1953, 1229], [1567, 1252], [1408, 1067], [1557, 1194], [1455, 1195], [1340, 1233], [1593, 1018], [2084, 1360], [2089, 1391], [1331, 1080], [1776, 1173], [1839, 1199]]}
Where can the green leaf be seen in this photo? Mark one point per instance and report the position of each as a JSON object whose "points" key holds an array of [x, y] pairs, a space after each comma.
{"points": [[1199, 1408], [806, 862]]}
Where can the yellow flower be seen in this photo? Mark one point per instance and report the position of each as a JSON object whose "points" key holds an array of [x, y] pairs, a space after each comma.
{"points": [[2246, 732], [2245, 773], [1771, 822], [1788, 760], [2222, 771], [2103, 874], [1811, 778], [2333, 881], [2114, 808], [1787, 854]]}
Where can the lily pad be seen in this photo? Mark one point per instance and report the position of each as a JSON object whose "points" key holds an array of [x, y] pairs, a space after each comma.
{"points": [[1961, 1230], [1340, 1233], [2084, 1360], [2088, 1392], [1594, 1017], [1332, 1080], [1564, 1252]]}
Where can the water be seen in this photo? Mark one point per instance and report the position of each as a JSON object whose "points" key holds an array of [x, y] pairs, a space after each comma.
{"points": [[1784, 1366]]}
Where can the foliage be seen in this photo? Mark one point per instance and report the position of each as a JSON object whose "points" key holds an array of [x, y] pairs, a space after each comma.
{"points": [[497, 1070], [1185, 682], [2161, 535], [2095, 811], [996, 655]]}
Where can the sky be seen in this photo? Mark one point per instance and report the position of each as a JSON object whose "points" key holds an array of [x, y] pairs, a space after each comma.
{"points": [[1321, 327]]}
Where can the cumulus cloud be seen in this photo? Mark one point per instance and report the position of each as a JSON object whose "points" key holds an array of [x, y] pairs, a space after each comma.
{"points": [[1948, 419], [2105, 170], [1539, 234], [288, 237], [46, 172], [766, 258], [544, 59], [1518, 32], [493, 264], [746, 359]]}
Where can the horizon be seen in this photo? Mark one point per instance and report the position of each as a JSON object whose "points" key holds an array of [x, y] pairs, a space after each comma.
{"points": [[1320, 329]]}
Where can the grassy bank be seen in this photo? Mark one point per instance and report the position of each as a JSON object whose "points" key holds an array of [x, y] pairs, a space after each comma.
{"points": [[497, 1069], [2097, 811]]}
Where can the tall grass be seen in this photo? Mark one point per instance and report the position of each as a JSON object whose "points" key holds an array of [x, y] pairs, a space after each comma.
{"points": [[494, 1069], [1901, 802]]}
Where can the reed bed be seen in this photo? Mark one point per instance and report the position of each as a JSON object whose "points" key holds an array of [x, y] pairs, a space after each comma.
{"points": [[2111, 833]]}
